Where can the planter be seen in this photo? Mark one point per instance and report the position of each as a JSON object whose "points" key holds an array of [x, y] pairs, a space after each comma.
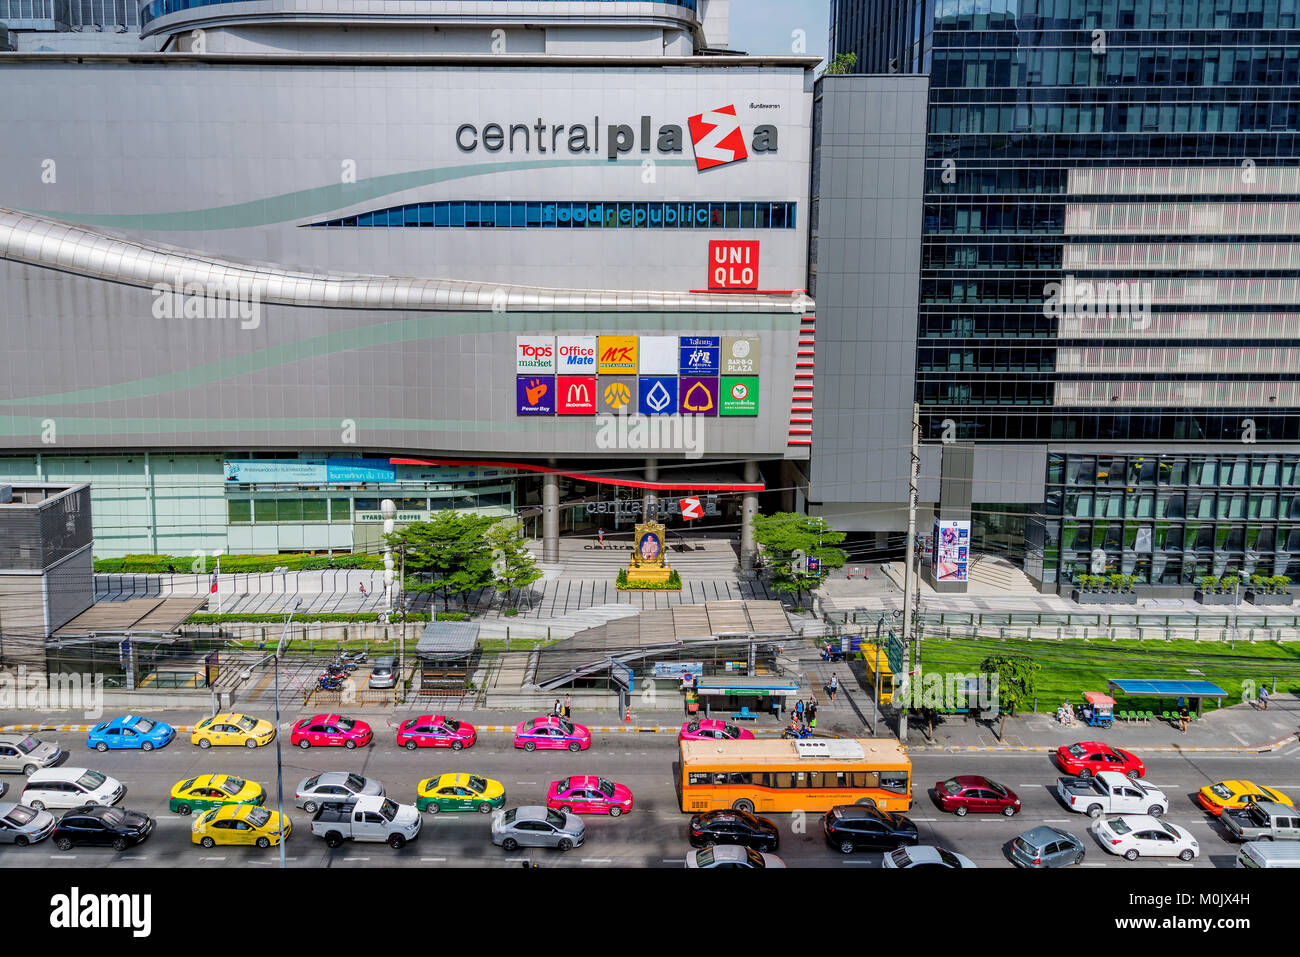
{"points": [[1103, 597], [1261, 598], [1212, 598]]}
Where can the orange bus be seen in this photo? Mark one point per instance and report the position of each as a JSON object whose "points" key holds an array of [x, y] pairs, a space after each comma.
{"points": [[780, 774]]}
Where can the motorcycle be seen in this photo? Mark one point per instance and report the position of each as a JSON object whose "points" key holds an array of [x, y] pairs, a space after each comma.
{"points": [[803, 732], [330, 683]]}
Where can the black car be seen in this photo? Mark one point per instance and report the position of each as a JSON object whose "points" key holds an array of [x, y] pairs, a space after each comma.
{"points": [[854, 827], [734, 827], [95, 826]]}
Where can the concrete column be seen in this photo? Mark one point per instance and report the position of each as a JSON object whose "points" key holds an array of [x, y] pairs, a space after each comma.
{"points": [[550, 517], [748, 509], [651, 496]]}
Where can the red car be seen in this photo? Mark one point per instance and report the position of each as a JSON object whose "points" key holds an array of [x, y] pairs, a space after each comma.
{"points": [[589, 795], [551, 732], [973, 793], [435, 731], [709, 729], [1086, 758], [331, 731]]}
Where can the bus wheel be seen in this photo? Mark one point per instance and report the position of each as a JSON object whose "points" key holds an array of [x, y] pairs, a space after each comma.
{"points": [[744, 805], [865, 802]]}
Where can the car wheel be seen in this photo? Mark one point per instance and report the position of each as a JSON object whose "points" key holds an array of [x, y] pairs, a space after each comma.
{"points": [[204, 743], [183, 810], [432, 808], [615, 811], [1009, 810], [565, 844], [333, 839], [1084, 773], [485, 808], [960, 811], [1186, 855], [510, 844], [1079, 859], [530, 745], [1155, 810], [63, 844], [411, 745], [37, 806], [310, 807], [349, 744], [575, 746], [251, 743], [846, 847], [744, 805], [263, 842], [304, 744], [397, 842], [208, 842], [119, 844], [1131, 855], [456, 746], [147, 746], [101, 747], [1094, 810]]}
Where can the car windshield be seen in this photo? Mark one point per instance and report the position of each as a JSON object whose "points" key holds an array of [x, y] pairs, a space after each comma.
{"points": [[29, 744], [143, 725], [247, 723], [310, 782], [605, 788], [1222, 792], [704, 858], [356, 782], [952, 787], [1170, 830], [233, 785], [731, 731], [997, 789], [477, 783], [186, 785], [554, 818], [948, 857], [451, 724], [899, 857], [693, 727], [346, 724], [1077, 750], [112, 817], [509, 816], [755, 858], [90, 780], [566, 727], [208, 816], [258, 816], [381, 669], [562, 786], [20, 815], [388, 809], [1119, 825], [1025, 847]]}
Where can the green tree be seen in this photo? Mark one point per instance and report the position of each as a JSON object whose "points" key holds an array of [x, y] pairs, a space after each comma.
{"points": [[782, 535], [1015, 677], [513, 565], [450, 551], [842, 64]]}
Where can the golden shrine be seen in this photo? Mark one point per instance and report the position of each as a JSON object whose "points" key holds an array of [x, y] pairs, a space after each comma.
{"points": [[649, 563]]}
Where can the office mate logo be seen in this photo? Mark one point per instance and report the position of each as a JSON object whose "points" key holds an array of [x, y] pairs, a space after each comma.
{"points": [[75, 911], [617, 355], [534, 354], [576, 355], [575, 395], [717, 138]]}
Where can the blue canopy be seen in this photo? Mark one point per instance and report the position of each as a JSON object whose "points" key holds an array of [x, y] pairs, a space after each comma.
{"points": [[1137, 688]]}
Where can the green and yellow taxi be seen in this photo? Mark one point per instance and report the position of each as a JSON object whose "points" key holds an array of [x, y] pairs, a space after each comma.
{"points": [[460, 792], [209, 791]]}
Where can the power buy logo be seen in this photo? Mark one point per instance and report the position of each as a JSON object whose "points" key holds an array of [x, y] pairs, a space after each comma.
{"points": [[717, 138]]}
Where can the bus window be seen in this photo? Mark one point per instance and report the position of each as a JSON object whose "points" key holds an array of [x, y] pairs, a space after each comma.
{"points": [[740, 778], [866, 779], [815, 779], [894, 781], [779, 779], [698, 778]]}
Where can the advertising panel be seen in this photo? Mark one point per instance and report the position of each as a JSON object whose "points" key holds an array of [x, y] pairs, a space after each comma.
{"points": [[575, 395], [658, 355], [617, 355], [303, 471], [740, 355], [699, 395], [699, 355], [739, 395], [575, 355], [951, 557], [535, 395], [733, 264], [359, 470], [617, 394], [534, 354], [657, 395]]}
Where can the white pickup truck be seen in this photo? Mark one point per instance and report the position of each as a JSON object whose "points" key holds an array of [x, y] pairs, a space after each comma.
{"points": [[1110, 792], [369, 819]]}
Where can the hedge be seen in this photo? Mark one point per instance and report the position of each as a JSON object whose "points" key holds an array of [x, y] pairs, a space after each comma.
{"points": [[233, 564], [674, 583], [203, 618]]}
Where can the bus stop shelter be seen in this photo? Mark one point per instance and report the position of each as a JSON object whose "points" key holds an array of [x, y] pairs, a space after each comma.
{"points": [[733, 693], [1194, 691]]}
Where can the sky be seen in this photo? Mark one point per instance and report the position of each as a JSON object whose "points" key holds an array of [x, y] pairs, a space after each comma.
{"points": [[765, 26]]}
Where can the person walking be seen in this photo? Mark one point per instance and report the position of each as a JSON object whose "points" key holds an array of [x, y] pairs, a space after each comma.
{"points": [[556, 710], [798, 710], [600, 537], [1263, 697], [1183, 717], [833, 687], [811, 711], [568, 708], [362, 588]]}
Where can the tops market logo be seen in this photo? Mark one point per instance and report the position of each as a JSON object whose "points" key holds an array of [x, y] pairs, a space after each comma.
{"points": [[716, 137]]}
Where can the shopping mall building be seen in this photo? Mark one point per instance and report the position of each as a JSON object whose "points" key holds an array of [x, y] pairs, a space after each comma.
{"points": [[272, 266]]}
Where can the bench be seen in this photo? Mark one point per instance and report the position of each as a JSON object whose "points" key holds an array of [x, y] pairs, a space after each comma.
{"points": [[745, 715]]}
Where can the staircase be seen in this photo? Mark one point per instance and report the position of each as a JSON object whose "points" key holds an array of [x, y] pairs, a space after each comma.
{"points": [[989, 574]]}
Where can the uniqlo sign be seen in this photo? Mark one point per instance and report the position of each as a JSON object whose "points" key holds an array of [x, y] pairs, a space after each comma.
{"points": [[717, 138], [733, 264]]}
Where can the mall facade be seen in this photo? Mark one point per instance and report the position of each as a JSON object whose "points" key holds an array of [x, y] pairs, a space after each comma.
{"points": [[263, 277]]}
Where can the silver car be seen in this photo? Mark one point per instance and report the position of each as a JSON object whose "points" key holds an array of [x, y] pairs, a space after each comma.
{"points": [[27, 753], [537, 827], [21, 825], [926, 856], [335, 787], [1046, 847], [732, 856], [383, 673]]}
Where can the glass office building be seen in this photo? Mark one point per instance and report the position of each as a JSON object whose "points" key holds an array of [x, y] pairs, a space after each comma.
{"points": [[1110, 266]]}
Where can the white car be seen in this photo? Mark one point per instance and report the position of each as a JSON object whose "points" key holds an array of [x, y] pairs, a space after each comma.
{"points": [[1141, 835], [71, 787], [926, 856]]}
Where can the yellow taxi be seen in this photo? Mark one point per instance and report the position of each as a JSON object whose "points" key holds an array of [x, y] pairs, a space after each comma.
{"points": [[239, 824], [208, 791], [459, 792], [232, 729], [1216, 798]]}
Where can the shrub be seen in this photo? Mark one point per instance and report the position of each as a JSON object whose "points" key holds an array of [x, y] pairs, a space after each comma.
{"points": [[1208, 582], [453, 616], [233, 564], [674, 583]]}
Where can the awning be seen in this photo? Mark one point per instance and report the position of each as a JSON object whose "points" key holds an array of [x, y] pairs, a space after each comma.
{"points": [[447, 639], [747, 686], [1099, 700], [1139, 688]]}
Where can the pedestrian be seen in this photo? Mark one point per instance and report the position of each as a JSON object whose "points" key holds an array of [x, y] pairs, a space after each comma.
{"points": [[1263, 697], [568, 708], [556, 710], [1183, 716], [600, 537], [812, 712], [362, 587], [798, 710], [833, 687]]}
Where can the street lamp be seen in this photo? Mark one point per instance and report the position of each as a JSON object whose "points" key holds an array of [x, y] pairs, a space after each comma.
{"points": [[279, 761]]}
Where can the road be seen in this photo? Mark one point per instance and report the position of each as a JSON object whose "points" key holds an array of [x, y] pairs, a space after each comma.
{"points": [[653, 835]]}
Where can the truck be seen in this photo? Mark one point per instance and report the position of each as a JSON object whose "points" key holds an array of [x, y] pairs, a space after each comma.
{"points": [[370, 818], [1110, 792], [1262, 821]]}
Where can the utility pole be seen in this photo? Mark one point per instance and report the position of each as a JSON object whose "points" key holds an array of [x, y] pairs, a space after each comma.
{"points": [[401, 639], [911, 665]]}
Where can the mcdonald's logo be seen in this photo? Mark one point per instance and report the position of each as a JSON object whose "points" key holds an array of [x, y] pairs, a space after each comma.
{"points": [[576, 395]]}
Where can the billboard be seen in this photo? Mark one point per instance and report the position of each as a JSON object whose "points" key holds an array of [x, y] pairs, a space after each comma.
{"points": [[575, 355], [657, 395], [535, 395], [951, 555], [699, 355], [575, 395], [740, 355], [309, 471], [534, 354], [738, 395], [699, 395], [658, 355], [617, 355]]}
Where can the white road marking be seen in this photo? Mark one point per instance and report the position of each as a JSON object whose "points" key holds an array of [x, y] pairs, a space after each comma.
{"points": [[854, 860], [1092, 864], [674, 860], [1056, 820], [214, 858], [357, 858], [930, 819], [597, 860], [525, 782], [433, 858]]}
